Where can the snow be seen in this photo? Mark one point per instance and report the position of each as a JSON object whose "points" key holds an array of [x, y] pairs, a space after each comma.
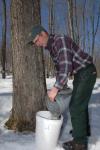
{"points": [[10, 140]]}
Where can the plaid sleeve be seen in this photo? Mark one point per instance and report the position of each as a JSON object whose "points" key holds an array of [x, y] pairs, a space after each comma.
{"points": [[61, 76]]}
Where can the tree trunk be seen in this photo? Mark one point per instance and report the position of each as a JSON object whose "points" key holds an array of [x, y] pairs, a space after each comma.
{"points": [[84, 23], [51, 16], [70, 18], [29, 86], [88, 36], [77, 36], [95, 26], [3, 53], [49, 63]]}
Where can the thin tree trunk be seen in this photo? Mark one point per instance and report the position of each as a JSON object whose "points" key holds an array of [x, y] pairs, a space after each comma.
{"points": [[50, 66], [3, 53], [70, 18], [95, 26], [88, 37], [84, 36], [51, 16], [76, 24]]}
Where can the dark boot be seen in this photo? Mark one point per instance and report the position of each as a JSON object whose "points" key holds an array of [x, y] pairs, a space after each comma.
{"points": [[72, 145]]}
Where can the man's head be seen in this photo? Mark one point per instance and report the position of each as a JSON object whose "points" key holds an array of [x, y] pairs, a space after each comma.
{"points": [[38, 36]]}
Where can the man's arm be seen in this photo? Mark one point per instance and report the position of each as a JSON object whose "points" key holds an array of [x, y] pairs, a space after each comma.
{"points": [[61, 77]]}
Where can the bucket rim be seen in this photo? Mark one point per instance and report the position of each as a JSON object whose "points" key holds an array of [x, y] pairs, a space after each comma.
{"points": [[38, 114]]}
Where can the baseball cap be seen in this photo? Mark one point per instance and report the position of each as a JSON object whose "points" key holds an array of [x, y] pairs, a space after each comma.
{"points": [[37, 29]]}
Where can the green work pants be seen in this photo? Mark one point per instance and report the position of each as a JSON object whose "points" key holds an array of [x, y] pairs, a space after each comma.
{"points": [[83, 84]]}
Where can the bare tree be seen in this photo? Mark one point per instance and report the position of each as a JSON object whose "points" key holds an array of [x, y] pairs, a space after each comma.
{"points": [[3, 48], [95, 26], [29, 86], [76, 24], [51, 16], [88, 36], [70, 18], [84, 24], [49, 63]]}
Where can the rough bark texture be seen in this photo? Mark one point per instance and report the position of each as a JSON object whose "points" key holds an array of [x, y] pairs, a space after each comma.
{"points": [[28, 70]]}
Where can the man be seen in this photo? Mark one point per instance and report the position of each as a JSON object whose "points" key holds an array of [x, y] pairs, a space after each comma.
{"points": [[69, 60]]}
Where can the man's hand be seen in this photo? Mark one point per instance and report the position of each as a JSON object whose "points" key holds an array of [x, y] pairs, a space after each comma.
{"points": [[52, 93]]}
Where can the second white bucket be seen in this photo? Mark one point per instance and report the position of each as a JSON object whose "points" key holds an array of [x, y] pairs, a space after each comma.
{"points": [[47, 130]]}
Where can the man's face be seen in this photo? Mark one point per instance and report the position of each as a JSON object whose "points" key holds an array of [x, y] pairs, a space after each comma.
{"points": [[41, 39]]}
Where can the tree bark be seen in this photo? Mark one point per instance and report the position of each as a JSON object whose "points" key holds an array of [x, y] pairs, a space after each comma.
{"points": [[77, 36], [84, 23], [49, 63], [29, 86], [3, 48], [94, 30], [70, 18]]}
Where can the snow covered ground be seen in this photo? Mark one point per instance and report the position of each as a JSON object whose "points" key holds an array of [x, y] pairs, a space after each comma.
{"points": [[10, 140]]}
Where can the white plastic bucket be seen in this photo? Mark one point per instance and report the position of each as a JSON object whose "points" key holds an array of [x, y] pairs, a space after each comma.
{"points": [[47, 130]]}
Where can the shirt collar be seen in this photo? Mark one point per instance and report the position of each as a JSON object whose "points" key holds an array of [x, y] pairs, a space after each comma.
{"points": [[50, 41]]}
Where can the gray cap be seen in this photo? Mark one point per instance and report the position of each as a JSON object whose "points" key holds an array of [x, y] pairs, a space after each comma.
{"points": [[37, 29]]}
